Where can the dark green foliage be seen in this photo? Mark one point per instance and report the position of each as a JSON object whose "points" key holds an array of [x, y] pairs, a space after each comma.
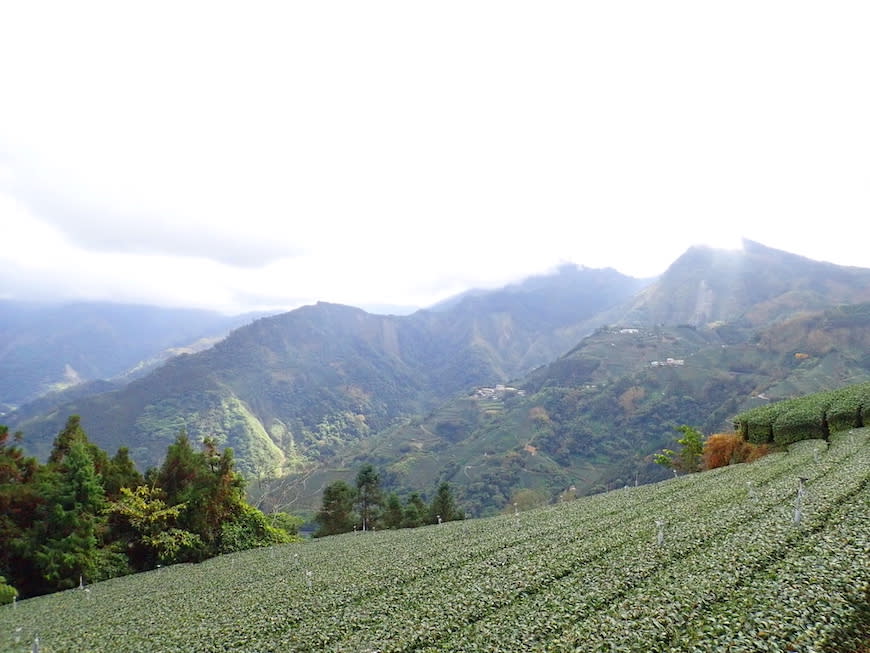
{"points": [[414, 513], [336, 513], [757, 425], [443, 507], [803, 419], [58, 527], [813, 416], [121, 472], [393, 515], [70, 530], [368, 496], [7, 592]]}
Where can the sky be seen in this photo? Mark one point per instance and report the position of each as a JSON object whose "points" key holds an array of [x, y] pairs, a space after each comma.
{"points": [[264, 155]]}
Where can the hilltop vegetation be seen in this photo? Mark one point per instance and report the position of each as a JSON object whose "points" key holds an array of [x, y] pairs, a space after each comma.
{"points": [[741, 558], [83, 516]]}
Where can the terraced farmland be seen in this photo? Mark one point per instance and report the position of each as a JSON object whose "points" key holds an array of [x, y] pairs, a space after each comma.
{"points": [[726, 560]]}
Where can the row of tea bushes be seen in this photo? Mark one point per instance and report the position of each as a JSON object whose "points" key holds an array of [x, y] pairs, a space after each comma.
{"points": [[734, 569], [814, 416]]}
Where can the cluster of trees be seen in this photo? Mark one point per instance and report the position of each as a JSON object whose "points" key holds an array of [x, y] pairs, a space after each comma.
{"points": [[367, 507], [83, 516], [718, 450]]}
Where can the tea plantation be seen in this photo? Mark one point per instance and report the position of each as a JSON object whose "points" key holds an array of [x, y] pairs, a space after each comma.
{"points": [[741, 558]]}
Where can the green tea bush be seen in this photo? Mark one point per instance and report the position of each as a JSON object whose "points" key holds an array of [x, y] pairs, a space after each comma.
{"points": [[814, 416], [844, 412], [7, 592], [802, 419]]}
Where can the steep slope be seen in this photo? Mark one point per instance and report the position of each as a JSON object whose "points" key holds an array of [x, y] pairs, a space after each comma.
{"points": [[298, 386], [706, 562], [748, 288], [591, 418], [46, 347]]}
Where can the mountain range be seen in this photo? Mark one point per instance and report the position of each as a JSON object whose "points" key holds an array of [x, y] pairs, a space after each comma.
{"points": [[564, 383]]}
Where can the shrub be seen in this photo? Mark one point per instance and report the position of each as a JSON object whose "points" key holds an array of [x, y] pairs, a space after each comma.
{"points": [[756, 425], [814, 416], [249, 530], [7, 592], [802, 419], [721, 449], [845, 410]]}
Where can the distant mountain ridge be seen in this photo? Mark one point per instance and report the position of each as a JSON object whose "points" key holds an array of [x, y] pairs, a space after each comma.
{"points": [[759, 284], [597, 371], [299, 385], [685, 350], [48, 347]]}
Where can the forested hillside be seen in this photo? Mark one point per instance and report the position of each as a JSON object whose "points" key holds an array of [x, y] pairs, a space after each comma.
{"points": [[295, 387], [84, 516]]}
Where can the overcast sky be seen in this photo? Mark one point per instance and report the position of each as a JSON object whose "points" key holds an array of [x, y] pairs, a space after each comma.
{"points": [[260, 155]]}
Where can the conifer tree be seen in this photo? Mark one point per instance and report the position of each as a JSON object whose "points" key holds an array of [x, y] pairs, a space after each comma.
{"points": [[336, 511], [368, 496], [444, 505], [415, 513], [393, 514], [73, 519]]}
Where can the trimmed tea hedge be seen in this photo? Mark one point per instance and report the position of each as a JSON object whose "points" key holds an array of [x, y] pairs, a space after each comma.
{"points": [[814, 416]]}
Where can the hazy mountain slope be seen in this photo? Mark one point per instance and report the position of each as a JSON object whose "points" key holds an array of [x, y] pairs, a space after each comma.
{"points": [[49, 347], [301, 384], [591, 418], [747, 288]]}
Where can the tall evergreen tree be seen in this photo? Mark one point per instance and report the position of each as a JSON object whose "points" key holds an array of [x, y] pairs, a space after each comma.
{"points": [[20, 506], [121, 472], [415, 513], [393, 514], [444, 505], [368, 496], [73, 521], [336, 511]]}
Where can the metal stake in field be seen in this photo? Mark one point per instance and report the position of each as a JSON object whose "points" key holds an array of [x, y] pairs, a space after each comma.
{"points": [[660, 535], [799, 500], [753, 495]]}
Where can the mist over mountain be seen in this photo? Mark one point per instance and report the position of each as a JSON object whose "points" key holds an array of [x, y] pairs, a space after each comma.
{"points": [[47, 347], [295, 387], [568, 380]]}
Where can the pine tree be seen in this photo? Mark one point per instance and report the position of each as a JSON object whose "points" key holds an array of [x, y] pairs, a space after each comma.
{"points": [[73, 520], [444, 505], [393, 515], [368, 496], [336, 512]]}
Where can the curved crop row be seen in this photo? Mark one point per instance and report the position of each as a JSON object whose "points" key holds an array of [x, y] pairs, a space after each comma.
{"points": [[813, 416], [734, 567]]}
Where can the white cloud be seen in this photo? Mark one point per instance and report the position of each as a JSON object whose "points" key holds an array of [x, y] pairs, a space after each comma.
{"points": [[391, 152]]}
